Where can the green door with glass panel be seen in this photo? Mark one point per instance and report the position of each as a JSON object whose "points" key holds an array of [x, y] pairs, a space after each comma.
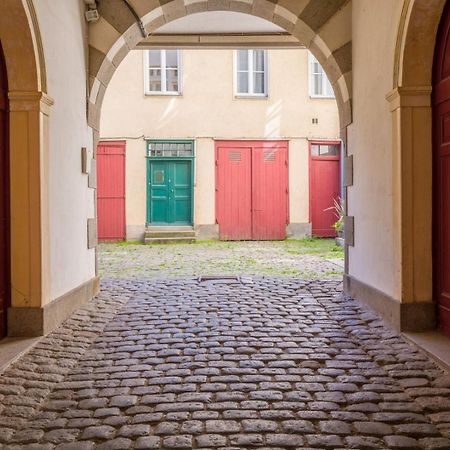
{"points": [[170, 186]]}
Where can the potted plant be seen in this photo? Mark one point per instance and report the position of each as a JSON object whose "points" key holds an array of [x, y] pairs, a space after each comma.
{"points": [[339, 210]]}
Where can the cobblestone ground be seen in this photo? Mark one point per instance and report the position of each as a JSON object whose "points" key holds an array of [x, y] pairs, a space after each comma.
{"points": [[310, 259], [267, 363]]}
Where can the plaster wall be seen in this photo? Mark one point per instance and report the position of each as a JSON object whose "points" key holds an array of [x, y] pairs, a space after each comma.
{"points": [[204, 184], [71, 202], [373, 198], [208, 109]]}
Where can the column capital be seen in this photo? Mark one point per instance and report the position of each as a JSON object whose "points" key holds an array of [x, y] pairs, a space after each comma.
{"points": [[410, 96], [30, 101]]}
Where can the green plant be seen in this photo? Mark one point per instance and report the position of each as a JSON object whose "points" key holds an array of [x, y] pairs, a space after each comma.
{"points": [[339, 210]]}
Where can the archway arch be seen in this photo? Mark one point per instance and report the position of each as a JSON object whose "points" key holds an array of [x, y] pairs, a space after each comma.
{"points": [[324, 29], [27, 117], [410, 104]]}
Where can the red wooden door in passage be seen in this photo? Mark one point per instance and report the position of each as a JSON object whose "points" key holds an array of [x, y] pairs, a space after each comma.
{"points": [[4, 199], [324, 186], [111, 191], [251, 190], [441, 176]]}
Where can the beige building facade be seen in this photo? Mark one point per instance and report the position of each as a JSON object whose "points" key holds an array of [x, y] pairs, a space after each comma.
{"points": [[208, 108]]}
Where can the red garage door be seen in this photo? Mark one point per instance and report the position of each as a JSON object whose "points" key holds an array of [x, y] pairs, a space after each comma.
{"points": [[324, 186], [252, 190], [111, 191]]}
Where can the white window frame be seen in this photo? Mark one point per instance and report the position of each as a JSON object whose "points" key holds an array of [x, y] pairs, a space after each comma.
{"points": [[251, 93], [164, 90], [327, 88]]}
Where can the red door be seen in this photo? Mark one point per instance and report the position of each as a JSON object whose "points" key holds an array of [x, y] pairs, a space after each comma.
{"points": [[111, 191], [251, 190], [324, 186], [441, 133], [4, 199], [234, 191], [270, 191]]}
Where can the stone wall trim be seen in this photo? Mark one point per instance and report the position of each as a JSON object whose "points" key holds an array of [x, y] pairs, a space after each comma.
{"points": [[405, 317], [31, 322]]}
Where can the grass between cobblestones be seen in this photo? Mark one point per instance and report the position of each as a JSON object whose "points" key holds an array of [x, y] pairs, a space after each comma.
{"points": [[306, 258]]}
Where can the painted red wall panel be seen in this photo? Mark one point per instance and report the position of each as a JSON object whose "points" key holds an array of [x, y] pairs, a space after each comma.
{"points": [[251, 184], [4, 200], [111, 191], [324, 188]]}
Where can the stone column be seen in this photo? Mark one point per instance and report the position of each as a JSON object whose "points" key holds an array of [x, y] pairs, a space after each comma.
{"points": [[412, 215], [30, 235]]}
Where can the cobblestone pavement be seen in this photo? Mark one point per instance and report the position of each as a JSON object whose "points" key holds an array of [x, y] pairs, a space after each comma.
{"points": [[267, 363], [309, 259]]}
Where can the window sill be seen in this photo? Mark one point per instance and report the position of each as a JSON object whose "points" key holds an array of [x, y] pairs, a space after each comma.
{"points": [[163, 94], [251, 97], [322, 97]]}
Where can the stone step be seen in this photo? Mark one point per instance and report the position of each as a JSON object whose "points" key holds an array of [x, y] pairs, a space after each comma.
{"points": [[170, 234], [169, 240], [170, 228]]}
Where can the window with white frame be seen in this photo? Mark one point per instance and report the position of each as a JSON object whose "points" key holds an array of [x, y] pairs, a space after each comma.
{"points": [[319, 84], [163, 72], [251, 73]]}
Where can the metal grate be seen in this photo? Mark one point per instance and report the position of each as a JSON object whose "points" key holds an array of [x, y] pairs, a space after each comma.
{"points": [[270, 155], [234, 156]]}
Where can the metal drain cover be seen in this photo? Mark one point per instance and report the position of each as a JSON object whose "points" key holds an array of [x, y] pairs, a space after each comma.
{"points": [[225, 279]]}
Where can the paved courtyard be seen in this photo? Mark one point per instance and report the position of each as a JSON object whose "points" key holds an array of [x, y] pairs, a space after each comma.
{"points": [[308, 259], [260, 361]]}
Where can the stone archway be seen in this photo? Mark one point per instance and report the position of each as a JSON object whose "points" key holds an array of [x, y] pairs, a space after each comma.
{"points": [[324, 28], [410, 104], [28, 116]]}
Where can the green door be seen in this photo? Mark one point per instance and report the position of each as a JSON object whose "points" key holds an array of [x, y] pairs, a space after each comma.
{"points": [[170, 192]]}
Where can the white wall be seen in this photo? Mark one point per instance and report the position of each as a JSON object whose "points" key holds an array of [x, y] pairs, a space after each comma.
{"points": [[63, 32], [373, 260]]}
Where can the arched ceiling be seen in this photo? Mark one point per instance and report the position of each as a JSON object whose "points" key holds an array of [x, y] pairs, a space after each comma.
{"points": [[323, 26]]}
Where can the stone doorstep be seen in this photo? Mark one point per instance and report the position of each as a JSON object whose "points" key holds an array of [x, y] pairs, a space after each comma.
{"points": [[169, 235], [434, 344], [12, 349]]}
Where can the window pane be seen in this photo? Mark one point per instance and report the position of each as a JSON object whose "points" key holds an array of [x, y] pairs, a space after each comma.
{"points": [[172, 59], [155, 80], [154, 58], [242, 82], [242, 60], [172, 80], [258, 83], [314, 150], [258, 60], [328, 88], [329, 150], [317, 86]]}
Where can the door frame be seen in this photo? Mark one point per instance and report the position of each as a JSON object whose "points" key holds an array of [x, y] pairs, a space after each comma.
{"points": [[191, 159], [322, 158], [239, 143]]}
